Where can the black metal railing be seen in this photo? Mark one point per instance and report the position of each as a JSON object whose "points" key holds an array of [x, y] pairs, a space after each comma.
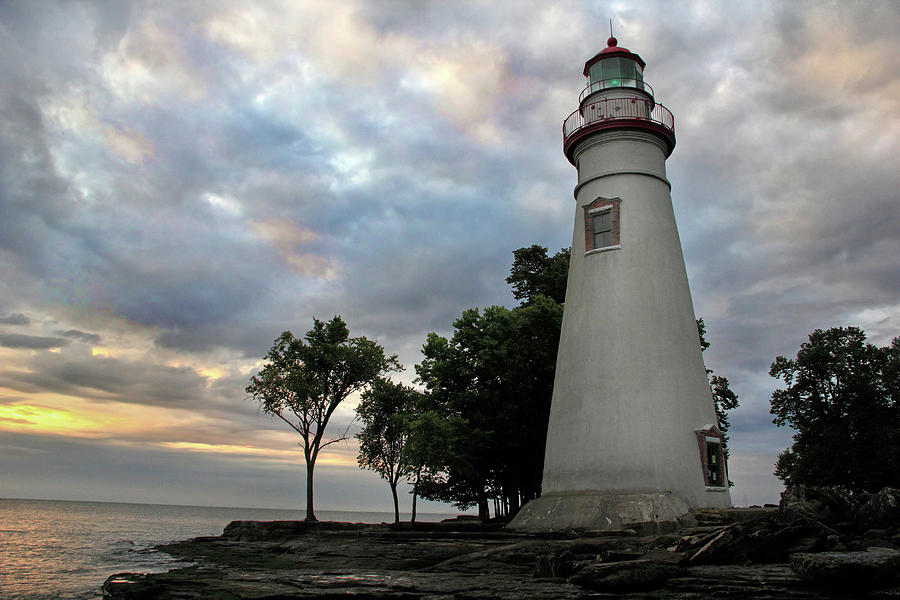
{"points": [[612, 109]]}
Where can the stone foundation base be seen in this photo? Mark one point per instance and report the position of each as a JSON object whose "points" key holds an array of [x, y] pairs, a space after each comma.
{"points": [[598, 510]]}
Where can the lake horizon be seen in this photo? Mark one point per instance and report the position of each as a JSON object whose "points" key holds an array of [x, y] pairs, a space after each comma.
{"points": [[65, 549]]}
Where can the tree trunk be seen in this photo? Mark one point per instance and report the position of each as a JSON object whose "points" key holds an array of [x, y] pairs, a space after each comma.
{"points": [[515, 505], [415, 495], [484, 512], [396, 504], [310, 514]]}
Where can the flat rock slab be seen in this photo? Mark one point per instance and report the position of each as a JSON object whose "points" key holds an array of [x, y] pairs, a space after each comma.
{"points": [[763, 582], [630, 575], [865, 569], [759, 582], [286, 561], [238, 584]]}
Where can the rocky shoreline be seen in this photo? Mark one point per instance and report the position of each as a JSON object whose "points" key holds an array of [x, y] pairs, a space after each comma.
{"points": [[819, 543]]}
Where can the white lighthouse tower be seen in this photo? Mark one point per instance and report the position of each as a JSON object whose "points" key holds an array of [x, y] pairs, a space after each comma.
{"points": [[632, 434]]}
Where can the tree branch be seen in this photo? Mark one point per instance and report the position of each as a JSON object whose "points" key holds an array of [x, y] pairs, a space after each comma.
{"points": [[342, 437], [294, 427], [334, 441]]}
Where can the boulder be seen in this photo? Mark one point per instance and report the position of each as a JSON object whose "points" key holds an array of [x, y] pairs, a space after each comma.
{"points": [[620, 555], [866, 543], [869, 568], [626, 576], [829, 505], [768, 539], [881, 510], [550, 565], [877, 534], [273, 531]]}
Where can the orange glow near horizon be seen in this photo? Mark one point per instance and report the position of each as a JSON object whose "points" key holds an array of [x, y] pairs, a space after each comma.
{"points": [[47, 419], [73, 416], [232, 449], [326, 458], [153, 426]]}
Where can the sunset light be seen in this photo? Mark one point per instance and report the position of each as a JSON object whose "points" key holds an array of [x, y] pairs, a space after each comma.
{"points": [[43, 419], [332, 457]]}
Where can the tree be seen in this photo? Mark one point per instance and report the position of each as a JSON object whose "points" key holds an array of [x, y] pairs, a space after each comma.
{"points": [[426, 445], [492, 382], [723, 398], [303, 382], [534, 274], [841, 398], [386, 411]]}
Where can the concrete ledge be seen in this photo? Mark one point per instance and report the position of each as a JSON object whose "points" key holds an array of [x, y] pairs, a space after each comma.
{"points": [[599, 510]]}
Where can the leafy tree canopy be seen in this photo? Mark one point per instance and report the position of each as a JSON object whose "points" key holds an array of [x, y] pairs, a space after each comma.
{"points": [[841, 397], [534, 274], [491, 382]]}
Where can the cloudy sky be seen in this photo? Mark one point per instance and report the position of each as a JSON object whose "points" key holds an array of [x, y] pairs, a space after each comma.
{"points": [[180, 182]]}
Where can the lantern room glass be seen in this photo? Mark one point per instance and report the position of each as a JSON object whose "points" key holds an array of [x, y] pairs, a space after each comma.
{"points": [[616, 71]]}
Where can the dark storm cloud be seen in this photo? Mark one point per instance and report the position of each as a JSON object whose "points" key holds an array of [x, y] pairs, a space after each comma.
{"points": [[108, 379], [17, 319], [81, 336], [32, 195], [30, 342], [199, 339]]}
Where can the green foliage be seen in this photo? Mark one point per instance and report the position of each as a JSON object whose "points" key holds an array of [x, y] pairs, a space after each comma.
{"points": [[724, 398], [841, 398], [534, 274], [387, 411], [304, 381], [701, 331], [491, 385]]}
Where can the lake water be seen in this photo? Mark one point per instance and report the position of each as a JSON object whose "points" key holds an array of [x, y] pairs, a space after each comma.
{"points": [[54, 549]]}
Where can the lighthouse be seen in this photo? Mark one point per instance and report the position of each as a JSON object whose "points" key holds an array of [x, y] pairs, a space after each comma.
{"points": [[632, 434]]}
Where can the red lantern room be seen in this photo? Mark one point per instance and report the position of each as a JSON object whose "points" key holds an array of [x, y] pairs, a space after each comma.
{"points": [[616, 97]]}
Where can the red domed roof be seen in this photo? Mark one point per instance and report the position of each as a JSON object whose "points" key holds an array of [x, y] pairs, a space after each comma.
{"points": [[612, 49]]}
